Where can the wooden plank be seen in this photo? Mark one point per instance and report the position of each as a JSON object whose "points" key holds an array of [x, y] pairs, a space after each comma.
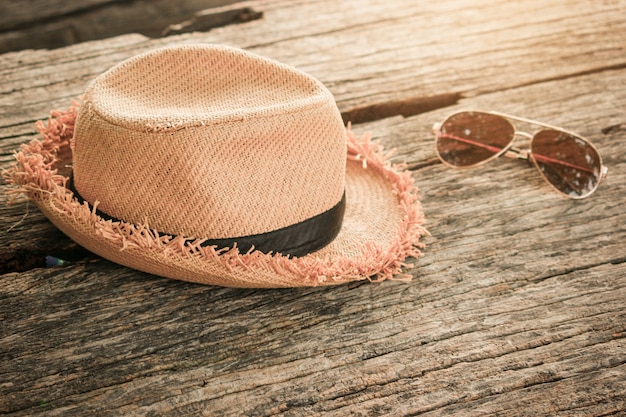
{"points": [[505, 306], [376, 47], [19, 13], [45, 24], [88, 339], [515, 309]]}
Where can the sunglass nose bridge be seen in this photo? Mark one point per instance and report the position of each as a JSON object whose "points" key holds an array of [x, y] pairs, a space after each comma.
{"points": [[523, 134], [517, 153]]}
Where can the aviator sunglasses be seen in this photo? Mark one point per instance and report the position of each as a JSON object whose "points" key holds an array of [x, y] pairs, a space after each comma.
{"points": [[567, 161]]}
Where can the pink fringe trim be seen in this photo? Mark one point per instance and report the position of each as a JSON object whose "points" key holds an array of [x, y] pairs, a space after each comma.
{"points": [[34, 175]]}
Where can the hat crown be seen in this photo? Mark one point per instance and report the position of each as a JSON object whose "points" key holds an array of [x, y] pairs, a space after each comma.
{"points": [[210, 142], [192, 85]]}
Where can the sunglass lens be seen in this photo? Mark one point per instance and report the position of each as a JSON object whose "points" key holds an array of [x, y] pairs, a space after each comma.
{"points": [[469, 138], [569, 163]]}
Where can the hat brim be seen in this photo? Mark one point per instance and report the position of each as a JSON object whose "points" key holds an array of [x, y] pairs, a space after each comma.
{"points": [[382, 226]]}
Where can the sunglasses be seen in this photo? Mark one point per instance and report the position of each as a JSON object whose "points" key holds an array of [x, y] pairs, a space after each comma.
{"points": [[567, 161]]}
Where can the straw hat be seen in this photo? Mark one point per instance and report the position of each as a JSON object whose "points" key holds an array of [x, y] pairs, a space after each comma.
{"points": [[210, 164]]}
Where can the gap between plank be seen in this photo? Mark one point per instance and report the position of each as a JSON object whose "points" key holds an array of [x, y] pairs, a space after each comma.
{"points": [[405, 107]]}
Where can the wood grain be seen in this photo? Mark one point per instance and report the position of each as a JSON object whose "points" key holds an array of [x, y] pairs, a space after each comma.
{"points": [[44, 24], [516, 307]]}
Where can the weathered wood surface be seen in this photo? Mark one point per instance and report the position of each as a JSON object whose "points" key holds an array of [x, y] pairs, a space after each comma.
{"points": [[35, 24], [516, 308]]}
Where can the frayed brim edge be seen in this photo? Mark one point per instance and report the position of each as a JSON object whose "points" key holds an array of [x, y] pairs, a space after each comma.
{"points": [[34, 175]]}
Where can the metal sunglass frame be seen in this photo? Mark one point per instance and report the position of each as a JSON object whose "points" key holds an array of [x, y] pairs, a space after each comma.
{"points": [[526, 154]]}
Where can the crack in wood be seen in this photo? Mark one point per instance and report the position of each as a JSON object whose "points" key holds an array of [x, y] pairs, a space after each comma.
{"points": [[586, 267], [213, 18], [405, 107], [609, 130], [25, 256]]}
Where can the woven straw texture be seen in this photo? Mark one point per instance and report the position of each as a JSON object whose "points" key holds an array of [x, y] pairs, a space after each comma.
{"points": [[383, 222], [209, 142], [382, 226]]}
